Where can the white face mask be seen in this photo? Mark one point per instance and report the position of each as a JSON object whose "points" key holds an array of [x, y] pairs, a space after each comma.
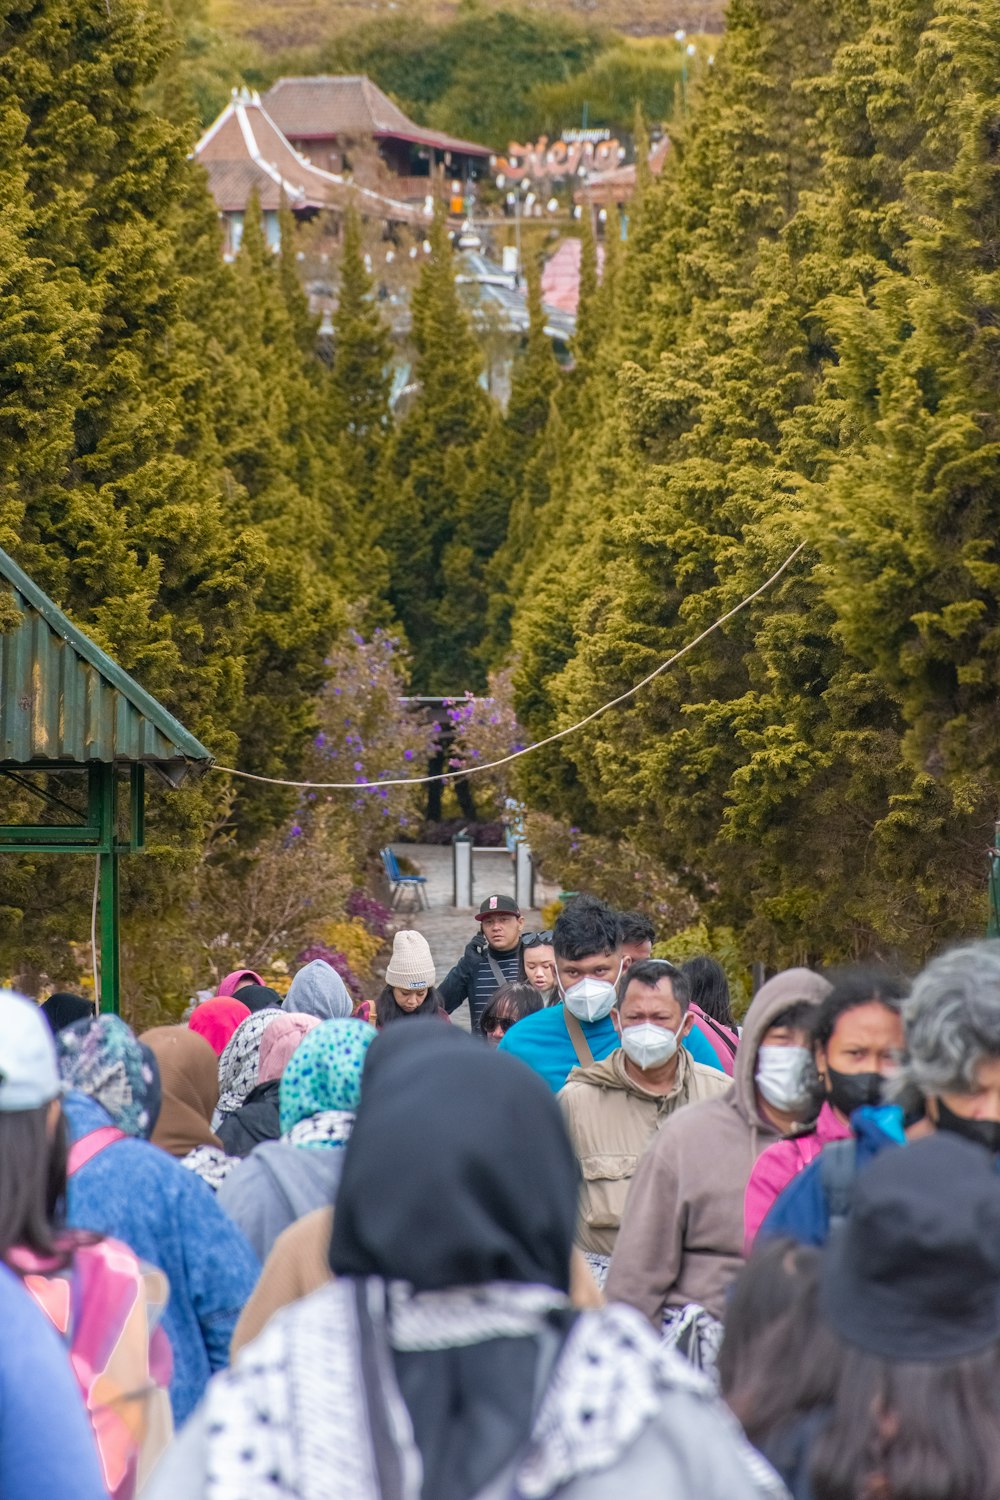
{"points": [[649, 1045], [781, 1077], [590, 999]]}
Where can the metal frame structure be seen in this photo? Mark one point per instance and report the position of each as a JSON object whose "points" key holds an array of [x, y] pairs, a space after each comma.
{"points": [[67, 709]]}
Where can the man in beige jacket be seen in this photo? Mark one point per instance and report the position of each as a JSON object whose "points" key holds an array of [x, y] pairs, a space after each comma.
{"points": [[680, 1244], [614, 1108]]}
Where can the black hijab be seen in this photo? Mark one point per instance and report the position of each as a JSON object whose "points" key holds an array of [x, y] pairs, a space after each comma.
{"points": [[258, 997], [459, 1172], [64, 1009]]}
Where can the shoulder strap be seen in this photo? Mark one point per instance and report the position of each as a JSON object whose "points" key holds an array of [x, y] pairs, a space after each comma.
{"points": [[581, 1046], [837, 1171], [718, 1030], [90, 1145], [498, 973]]}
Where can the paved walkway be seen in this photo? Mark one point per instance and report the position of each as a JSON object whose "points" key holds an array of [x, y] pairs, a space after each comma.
{"points": [[448, 928]]}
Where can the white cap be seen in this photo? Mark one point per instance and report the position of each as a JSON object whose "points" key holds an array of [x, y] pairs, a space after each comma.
{"points": [[29, 1073], [411, 966]]}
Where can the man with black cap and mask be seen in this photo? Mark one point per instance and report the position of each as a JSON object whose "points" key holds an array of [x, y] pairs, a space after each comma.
{"points": [[491, 959]]}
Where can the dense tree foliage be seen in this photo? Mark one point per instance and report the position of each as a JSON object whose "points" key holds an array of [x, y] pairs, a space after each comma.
{"points": [[802, 348]]}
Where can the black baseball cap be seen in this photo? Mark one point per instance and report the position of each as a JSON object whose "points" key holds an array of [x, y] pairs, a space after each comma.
{"points": [[913, 1274], [505, 905]]}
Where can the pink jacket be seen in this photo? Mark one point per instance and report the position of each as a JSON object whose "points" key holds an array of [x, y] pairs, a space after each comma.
{"points": [[775, 1168]]}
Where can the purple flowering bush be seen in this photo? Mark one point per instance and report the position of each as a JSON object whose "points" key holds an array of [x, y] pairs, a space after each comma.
{"points": [[366, 733], [485, 730]]}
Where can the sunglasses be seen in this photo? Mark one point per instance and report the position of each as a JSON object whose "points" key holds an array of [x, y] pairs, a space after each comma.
{"points": [[537, 939], [499, 1023]]}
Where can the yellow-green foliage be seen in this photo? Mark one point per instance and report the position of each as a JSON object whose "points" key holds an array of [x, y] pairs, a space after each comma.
{"points": [[353, 939]]}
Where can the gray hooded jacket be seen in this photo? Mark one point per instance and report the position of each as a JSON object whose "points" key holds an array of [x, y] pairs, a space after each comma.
{"points": [[318, 990]]}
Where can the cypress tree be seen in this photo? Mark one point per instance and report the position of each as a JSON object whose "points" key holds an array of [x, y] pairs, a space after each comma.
{"points": [[426, 496], [360, 376]]}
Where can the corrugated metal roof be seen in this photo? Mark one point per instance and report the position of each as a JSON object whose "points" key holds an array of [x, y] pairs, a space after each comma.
{"points": [[63, 701]]}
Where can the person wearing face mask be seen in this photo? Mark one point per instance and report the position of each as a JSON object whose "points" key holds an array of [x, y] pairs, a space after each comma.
{"points": [[680, 1243], [949, 1081], [590, 960], [614, 1108], [857, 1041]]}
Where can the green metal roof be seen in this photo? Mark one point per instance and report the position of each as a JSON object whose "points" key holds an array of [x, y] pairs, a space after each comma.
{"points": [[63, 702]]}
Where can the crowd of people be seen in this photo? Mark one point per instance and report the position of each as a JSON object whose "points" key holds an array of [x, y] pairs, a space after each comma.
{"points": [[613, 1242]]}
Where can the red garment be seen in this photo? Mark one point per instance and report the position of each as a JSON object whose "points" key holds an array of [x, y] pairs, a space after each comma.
{"points": [[216, 1021], [774, 1169]]}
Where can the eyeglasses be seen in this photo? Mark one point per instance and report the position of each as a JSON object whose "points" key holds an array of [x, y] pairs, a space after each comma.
{"points": [[537, 939]]}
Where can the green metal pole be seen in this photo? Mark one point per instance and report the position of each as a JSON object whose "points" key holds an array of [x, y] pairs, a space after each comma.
{"points": [[993, 925], [110, 955]]}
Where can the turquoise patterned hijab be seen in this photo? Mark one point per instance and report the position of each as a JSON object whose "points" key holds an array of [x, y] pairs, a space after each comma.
{"points": [[324, 1071]]}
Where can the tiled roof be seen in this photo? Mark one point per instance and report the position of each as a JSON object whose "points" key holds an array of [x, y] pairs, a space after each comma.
{"points": [[244, 149], [322, 106]]}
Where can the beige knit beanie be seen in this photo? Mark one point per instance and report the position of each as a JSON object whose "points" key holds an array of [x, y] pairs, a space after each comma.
{"points": [[411, 966]]}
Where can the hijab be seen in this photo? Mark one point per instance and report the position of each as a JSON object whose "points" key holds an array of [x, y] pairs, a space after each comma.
{"points": [[232, 981], [459, 1170], [103, 1059], [240, 1062], [258, 997], [216, 1021], [323, 1074], [318, 990], [189, 1078], [459, 1174], [63, 1009], [280, 1041]]}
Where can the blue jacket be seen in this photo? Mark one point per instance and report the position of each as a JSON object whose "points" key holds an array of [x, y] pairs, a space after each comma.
{"points": [[542, 1041], [801, 1211], [165, 1213], [47, 1448]]}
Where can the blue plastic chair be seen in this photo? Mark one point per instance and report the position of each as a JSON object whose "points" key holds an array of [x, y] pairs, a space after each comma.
{"points": [[399, 883]]}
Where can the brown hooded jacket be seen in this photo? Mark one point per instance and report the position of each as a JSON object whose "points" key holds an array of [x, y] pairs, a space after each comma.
{"points": [[681, 1238]]}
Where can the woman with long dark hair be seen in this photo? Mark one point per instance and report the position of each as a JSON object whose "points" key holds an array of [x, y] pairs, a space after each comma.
{"points": [[99, 1298]]}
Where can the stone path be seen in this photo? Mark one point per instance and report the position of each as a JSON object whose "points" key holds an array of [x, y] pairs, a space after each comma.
{"points": [[448, 928]]}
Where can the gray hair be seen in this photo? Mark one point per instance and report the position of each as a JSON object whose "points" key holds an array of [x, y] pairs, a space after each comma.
{"points": [[952, 1022]]}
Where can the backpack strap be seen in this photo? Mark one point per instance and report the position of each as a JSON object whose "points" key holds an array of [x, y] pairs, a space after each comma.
{"points": [[722, 1032], [90, 1145], [581, 1046], [837, 1173]]}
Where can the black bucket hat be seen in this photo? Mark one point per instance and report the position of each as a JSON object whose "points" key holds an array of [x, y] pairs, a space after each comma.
{"points": [[913, 1274]]}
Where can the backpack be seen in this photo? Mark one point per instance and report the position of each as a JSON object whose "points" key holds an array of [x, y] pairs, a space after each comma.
{"points": [[106, 1305]]}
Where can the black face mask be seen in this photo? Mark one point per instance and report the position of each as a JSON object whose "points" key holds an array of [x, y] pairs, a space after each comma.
{"points": [[849, 1091], [983, 1132]]}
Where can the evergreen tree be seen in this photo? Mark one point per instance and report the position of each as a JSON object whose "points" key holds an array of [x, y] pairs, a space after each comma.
{"points": [[427, 505], [360, 376]]}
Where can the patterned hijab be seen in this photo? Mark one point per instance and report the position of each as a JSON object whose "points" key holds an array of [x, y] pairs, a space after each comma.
{"points": [[240, 1063], [323, 1074], [103, 1059]]}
